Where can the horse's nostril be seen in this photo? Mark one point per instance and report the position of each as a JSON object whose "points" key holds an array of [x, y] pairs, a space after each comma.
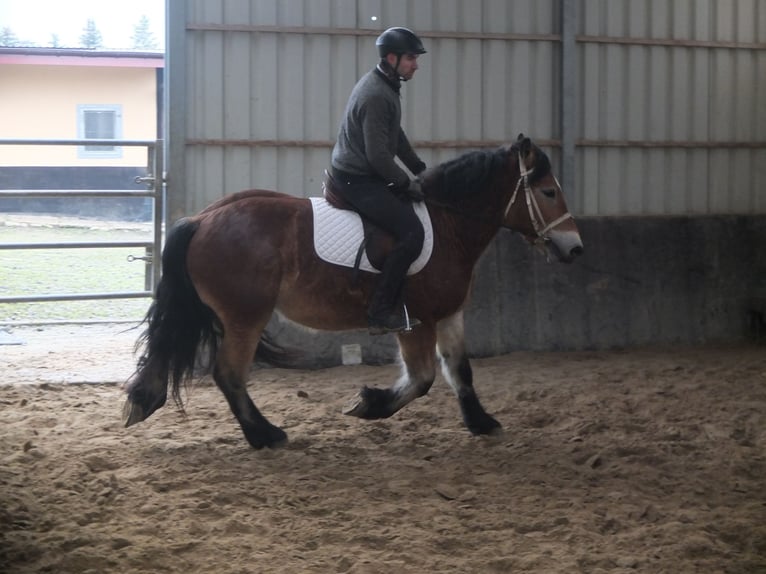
{"points": [[575, 251]]}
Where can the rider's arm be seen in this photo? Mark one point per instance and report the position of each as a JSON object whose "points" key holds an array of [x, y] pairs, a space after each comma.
{"points": [[379, 149], [408, 156]]}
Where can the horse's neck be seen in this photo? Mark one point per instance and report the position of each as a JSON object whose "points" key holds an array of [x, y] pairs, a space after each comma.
{"points": [[473, 231]]}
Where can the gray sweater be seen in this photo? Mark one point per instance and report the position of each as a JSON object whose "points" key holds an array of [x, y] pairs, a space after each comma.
{"points": [[370, 135]]}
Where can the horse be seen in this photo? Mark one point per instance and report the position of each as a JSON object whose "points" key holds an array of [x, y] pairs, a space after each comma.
{"points": [[226, 270]]}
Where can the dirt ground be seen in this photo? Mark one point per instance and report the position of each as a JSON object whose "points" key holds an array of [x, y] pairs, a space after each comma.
{"points": [[635, 461]]}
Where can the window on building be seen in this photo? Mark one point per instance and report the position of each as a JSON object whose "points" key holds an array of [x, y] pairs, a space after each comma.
{"points": [[103, 122]]}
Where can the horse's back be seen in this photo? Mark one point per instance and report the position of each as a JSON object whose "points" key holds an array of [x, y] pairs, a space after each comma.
{"points": [[249, 194], [248, 237]]}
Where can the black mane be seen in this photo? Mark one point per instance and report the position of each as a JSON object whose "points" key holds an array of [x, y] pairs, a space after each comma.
{"points": [[460, 177]]}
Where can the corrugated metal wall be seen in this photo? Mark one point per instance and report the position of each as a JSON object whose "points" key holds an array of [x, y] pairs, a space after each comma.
{"points": [[257, 88], [672, 107], [666, 111]]}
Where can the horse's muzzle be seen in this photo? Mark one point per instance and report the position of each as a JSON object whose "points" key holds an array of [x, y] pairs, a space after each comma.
{"points": [[565, 245]]}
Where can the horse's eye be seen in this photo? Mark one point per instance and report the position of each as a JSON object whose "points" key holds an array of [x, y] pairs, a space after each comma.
{"points": [[549, 193]]}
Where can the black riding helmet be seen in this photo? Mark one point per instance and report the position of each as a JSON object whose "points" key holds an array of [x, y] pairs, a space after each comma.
{"points": [[399, 41]]}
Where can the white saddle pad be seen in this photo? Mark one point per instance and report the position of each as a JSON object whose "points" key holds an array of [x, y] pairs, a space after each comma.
{"points": [[338, 234]]}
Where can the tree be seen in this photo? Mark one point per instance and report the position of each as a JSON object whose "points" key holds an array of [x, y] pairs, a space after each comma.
{"points": [[55, 42], [8, 38], [90, 37], [143, 39]]}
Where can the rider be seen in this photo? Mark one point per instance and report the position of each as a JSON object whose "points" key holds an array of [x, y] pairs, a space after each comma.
{"points": [[368, 178]]}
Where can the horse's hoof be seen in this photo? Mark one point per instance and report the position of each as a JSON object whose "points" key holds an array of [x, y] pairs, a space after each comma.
{"points": [[272, 437], [132, 413], [278, 443], [276, 437], [487, 426], [371, 403], [135, 411], [356, 407]]}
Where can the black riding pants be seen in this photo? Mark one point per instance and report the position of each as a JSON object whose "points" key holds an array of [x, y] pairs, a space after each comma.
{"points": [[375, 201]]}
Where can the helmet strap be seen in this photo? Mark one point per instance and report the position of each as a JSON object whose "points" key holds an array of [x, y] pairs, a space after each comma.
{"points": [[396, 68]]}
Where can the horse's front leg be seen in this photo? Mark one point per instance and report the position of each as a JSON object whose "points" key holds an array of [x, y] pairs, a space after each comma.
{"points": [[233, 362], [450, 345], [418, 372]]}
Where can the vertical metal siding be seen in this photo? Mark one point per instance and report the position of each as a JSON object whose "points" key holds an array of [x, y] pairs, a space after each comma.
{"points": [[261, 106], [687, 88]]}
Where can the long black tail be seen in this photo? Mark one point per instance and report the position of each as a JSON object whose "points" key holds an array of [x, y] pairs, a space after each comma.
{"points": [[179, 324], [180, 327]]}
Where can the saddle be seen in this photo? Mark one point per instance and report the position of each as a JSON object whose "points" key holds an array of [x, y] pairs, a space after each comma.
{"points": [[377, 242]]}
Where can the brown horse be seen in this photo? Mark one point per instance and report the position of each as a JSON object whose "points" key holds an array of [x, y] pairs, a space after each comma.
{"points": [[227, 269]]}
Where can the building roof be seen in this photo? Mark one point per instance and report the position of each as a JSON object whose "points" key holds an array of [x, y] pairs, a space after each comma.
{"points": [[81, 57]]}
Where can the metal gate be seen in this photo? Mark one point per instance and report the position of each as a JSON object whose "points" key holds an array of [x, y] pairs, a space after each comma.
{"points": [[153, 181]]}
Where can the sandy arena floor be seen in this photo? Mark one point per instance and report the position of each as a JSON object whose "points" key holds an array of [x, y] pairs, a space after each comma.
{"points": [[642, 461]]}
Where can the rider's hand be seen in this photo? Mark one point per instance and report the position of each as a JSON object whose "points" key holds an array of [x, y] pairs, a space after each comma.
{"points": [[414, 191]]}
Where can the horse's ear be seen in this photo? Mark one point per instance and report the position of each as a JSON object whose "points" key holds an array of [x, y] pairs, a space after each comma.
{"points": [[525, 145]]}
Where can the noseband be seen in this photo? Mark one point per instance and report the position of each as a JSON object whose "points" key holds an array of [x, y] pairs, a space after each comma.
{"points": [[535, 214]]}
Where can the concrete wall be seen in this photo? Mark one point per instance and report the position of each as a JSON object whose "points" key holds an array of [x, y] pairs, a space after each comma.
{"points": [[642, 281]]}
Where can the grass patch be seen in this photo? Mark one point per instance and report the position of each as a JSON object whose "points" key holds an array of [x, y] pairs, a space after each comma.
{"points": [[32, 272]]}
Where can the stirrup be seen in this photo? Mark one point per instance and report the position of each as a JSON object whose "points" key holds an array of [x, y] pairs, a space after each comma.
{"points": [[409, 322], [400, 327]]}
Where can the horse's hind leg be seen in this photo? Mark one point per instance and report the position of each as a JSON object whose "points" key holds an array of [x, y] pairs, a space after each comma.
{"points": [[232, 367], [147, 391], [450, 345], [419, 370]]}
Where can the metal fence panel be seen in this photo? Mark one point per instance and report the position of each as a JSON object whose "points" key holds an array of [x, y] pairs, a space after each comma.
{"points": [[151, 255]]}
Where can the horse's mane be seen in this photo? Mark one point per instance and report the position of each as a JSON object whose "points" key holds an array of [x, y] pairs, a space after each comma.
{"points": [[459, 177], [462, 176]]}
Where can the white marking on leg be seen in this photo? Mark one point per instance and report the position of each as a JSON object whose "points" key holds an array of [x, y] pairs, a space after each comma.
{"points": [[408, 387], [418, 355], [450, 345]]}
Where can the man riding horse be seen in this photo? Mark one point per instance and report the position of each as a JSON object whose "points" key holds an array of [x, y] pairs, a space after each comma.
{"points": [[230, 267], [369, 179]]}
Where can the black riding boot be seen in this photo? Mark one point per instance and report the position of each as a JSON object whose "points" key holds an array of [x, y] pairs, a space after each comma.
{"points": [[386, 312]]}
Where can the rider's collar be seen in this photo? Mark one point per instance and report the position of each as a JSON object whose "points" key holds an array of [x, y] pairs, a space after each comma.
{"points": [[388, 73]]}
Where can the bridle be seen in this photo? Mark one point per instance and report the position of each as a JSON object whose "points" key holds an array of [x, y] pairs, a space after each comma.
{"points": [[535, 213]]}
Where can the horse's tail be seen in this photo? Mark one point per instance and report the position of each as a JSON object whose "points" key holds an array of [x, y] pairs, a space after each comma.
{"points": [[178, 326]]}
